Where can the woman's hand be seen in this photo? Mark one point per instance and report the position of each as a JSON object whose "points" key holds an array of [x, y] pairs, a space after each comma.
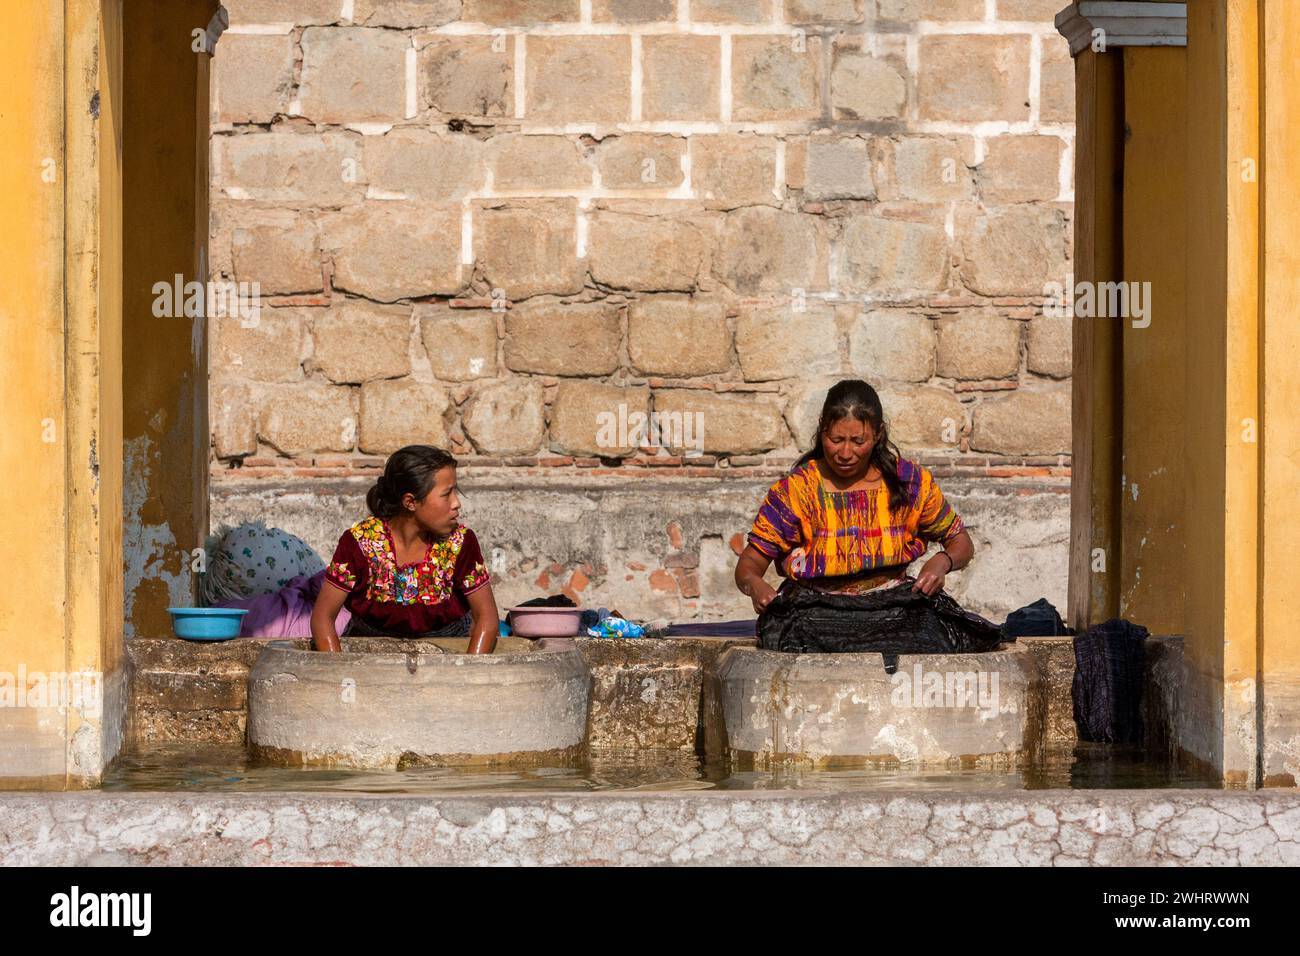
{"points": [[933, 572], [751, 567], [762, 594], [956, 554]]}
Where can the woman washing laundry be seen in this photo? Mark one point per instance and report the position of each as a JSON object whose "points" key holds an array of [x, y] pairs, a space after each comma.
{"points": [[850, 517], [411, 569]]}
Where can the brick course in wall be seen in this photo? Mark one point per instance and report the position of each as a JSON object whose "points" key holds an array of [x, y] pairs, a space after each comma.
{"points": [[497, 224]]}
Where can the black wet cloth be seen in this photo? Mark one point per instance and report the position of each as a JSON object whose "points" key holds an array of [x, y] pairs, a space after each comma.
{"points": [[1109, 665], [889, 621], [1039, 619], [555, 600], [460, 627]]}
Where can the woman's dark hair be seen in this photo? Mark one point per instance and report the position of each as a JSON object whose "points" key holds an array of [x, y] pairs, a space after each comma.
{"points": [[854, 398], [408, 470]]}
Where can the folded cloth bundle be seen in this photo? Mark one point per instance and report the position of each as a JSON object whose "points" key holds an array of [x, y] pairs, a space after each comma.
{"points": [[615, 627], [1040, 619]]}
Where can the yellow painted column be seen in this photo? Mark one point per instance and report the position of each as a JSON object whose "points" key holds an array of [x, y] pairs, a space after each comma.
{"points": [[1150, 569], [93, 311], [1218, 719], [1098, 252], [62, 687], [33, 443], [165, 428], [1278, 665], [1208, 410]]}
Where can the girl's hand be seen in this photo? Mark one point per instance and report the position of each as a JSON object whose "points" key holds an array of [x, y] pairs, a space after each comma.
{"points": [[483, 632], [933, 572], [329, 602]]}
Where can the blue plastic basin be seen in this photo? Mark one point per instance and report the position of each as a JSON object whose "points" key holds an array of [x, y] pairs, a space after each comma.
{"points": [[206, 623]]}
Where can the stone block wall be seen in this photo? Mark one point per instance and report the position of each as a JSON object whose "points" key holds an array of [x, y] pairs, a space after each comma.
{"points": [[511, 228]]}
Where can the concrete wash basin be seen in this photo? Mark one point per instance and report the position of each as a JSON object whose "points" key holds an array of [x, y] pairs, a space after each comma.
{"points": [[764, 708], [390, 704]]}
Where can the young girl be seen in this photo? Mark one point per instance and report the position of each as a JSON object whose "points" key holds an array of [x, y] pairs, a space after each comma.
{"points": [[411, 569], [852, 515]]}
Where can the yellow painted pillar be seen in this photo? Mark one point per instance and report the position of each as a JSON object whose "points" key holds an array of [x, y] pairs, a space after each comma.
{"points": [[1096, 401], [1278, 662], [1209, 393], [165, 412], [1218, 723], [62, 683], [105, 114], [1152, 383]]}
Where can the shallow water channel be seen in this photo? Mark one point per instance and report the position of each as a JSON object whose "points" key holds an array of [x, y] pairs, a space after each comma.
{"points": [[215, 768]]}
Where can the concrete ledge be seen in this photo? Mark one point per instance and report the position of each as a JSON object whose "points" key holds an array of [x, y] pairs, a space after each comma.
{"points": [[423, 706], [1038, 828], [1053, 680], [198, 692], [951, 710], [59, 731], [185, 690], [646, 693]]}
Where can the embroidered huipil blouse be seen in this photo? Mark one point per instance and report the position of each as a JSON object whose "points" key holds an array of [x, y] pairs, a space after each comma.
{"points": [[851, 532], [410, 598]]}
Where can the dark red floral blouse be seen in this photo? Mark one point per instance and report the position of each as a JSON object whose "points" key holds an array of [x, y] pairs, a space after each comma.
{"points": [[410, 598]]}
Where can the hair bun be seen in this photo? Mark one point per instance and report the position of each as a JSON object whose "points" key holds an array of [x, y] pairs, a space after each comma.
{"points": [[409, 470]]}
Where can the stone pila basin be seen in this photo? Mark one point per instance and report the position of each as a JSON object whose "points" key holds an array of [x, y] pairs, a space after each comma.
{"points": [[384, 703], [764, 708]]}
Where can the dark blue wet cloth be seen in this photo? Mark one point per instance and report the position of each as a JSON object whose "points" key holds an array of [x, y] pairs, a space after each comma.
{"points": [[1109, 670], [1039, 619], [742, 628]]}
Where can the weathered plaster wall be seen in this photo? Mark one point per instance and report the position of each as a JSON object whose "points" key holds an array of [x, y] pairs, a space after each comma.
{"points": [[1149, 562], [665, 548]]}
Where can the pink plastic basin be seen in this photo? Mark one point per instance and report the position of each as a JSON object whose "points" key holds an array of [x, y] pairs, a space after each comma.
{"points": [[544, 621]]}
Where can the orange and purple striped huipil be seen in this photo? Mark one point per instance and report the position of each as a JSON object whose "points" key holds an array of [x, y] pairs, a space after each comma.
{"points": [[848, 532]]}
